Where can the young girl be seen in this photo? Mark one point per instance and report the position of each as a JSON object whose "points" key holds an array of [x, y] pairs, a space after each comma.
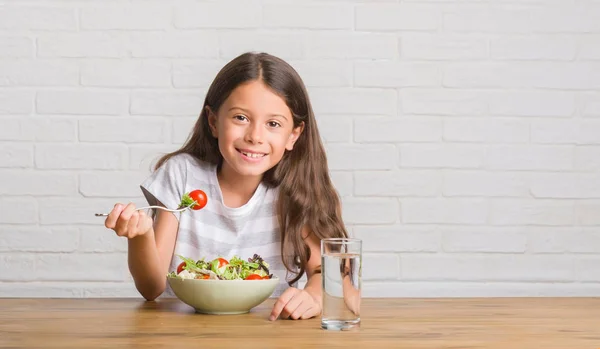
{"points": [[256, 152]]}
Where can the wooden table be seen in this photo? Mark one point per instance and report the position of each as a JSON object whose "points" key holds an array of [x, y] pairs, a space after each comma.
{"points": [[506, 323]]}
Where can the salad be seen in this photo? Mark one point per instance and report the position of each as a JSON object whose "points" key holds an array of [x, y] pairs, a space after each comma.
{"points": [[254, 268]]}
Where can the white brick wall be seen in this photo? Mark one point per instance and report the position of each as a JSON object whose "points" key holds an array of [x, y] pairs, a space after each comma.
{"points": [[463, 136]]}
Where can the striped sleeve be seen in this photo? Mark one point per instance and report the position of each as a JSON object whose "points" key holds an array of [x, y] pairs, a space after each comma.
{"points": [[165, 186]]}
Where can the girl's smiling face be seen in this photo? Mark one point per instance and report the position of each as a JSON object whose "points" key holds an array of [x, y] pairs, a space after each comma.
{"points": [[254, 128]]}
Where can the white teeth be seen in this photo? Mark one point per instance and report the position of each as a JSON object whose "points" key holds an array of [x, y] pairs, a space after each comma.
{"points": [[253, 155]]}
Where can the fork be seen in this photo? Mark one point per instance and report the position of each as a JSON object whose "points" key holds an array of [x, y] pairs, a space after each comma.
{"points": [[159, 207]]}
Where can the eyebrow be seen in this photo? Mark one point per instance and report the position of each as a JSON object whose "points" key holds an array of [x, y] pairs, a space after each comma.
{"points": [[247, 111]]}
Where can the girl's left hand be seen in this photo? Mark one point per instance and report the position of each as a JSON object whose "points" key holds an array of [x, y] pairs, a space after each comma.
{"points": [[295, 304]]}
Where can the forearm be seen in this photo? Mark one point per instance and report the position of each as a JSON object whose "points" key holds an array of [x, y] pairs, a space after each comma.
{"points": [[145, 266], [314, 287]]}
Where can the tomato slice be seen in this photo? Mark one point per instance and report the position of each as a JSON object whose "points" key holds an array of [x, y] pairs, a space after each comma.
{"points": [[200, 197], [180, 267], [266, 277], [254, 277], [222, 262], [202, 276]]}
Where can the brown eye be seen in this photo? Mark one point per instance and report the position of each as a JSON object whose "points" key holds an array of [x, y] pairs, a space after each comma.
{"points": [[274, 124], [240, 117]]}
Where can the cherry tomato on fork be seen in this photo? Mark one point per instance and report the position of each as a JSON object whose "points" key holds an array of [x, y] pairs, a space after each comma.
{"points": [[200, 197]]}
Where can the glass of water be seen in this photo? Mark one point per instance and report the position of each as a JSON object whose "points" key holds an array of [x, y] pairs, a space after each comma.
{"points": [[341, 263]]}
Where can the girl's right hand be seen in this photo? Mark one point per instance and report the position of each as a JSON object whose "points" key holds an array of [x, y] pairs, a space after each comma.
{"points": [[128, 222]]}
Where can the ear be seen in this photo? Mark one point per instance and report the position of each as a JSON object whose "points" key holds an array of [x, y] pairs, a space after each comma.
{"points": [[212, 121], [296, 132]]}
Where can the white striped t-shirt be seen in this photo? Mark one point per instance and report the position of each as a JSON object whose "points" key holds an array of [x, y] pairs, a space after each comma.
{"points": [[217, 230]]}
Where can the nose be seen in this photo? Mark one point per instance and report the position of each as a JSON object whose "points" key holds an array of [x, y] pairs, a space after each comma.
{"points": [[254, 134]]}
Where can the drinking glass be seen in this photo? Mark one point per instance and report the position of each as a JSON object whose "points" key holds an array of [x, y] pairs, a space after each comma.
{"points": [[341, 261]]}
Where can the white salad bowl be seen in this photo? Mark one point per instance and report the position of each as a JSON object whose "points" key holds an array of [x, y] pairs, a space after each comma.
{"points": [[222, 296]]}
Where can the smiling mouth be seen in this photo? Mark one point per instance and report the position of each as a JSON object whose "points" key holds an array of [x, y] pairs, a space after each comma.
{"points": [[252, 154]]}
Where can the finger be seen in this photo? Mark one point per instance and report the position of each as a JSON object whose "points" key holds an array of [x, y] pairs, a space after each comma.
{"points": [[128, 211], [311, 312], [281, 302], [292, 305], [132, 225], [144, 223], [123, 220], [111, 219], [301, 309]]}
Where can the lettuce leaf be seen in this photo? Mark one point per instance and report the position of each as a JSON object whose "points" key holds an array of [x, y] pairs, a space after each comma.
{"points": [[186, 201]]}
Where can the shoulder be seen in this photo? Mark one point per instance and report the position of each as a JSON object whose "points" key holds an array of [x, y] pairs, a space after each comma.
{"points": [[177, 160], [185, 161], [271, 194], [195, 163]]}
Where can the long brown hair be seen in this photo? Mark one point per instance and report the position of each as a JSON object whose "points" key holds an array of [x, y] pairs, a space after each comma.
{"points": [[307, 198]]}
